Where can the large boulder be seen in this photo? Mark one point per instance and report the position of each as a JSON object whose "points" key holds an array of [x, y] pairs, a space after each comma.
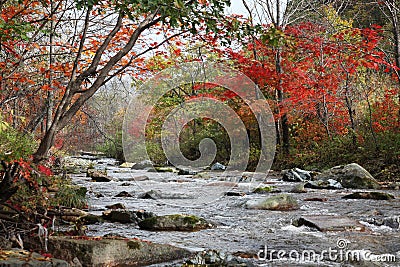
{"points": [[175, 222], [103, 251], [281, 202], [350, 176]]}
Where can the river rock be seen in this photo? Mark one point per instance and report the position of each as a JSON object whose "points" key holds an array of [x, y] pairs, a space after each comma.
{"points": [[175, 222], [350, 176], [126, 216], [127, 165], [235, 194], [186, 171], [369, 195], [102, 252], [218, 167], [116, 206], [91, 219], [297, 175], [322, 184], [282, 202], [157, 194], [142, 165], [329, 223], [299, 188], [163, 169], [392, 222], [265, 189], [98, 176], [123, 194], [152, 194]]}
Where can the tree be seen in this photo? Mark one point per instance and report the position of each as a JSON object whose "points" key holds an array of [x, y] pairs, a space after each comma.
{"points": [[91, 44], [278, 14]]}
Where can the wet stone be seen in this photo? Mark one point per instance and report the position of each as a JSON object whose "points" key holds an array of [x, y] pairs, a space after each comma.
{"points": [[235, 194], [370, 195], [324, 184], [116, 206], [299, 188], [329, 223], [297, 175], [123, 194], [99, 176], [282, 202], [142, 165], [175, 222]]}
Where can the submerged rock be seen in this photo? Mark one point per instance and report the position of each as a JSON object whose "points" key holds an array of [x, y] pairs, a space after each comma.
{"points": [[369, 195], [282, 202], [350, 176], [175, 222]]}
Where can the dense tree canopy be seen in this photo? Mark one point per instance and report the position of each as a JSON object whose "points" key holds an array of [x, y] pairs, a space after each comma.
{"points": [[328, 71]]}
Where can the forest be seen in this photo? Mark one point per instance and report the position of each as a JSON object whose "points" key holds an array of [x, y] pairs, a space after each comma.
{"points": [[329, 71]]}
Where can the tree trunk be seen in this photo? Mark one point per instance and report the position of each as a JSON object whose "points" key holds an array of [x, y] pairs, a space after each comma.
{"points": [[281, 96], [68, 107]]}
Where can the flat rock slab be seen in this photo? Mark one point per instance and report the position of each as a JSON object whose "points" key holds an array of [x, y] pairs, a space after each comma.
{"points": [[102, 252], [329, 223], [23, 258]]}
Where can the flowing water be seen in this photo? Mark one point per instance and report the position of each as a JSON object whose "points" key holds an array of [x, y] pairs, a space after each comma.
{"points": [[247, 232]]}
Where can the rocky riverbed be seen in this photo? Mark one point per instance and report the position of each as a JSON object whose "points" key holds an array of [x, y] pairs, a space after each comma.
{"points": [[324, 229]]}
